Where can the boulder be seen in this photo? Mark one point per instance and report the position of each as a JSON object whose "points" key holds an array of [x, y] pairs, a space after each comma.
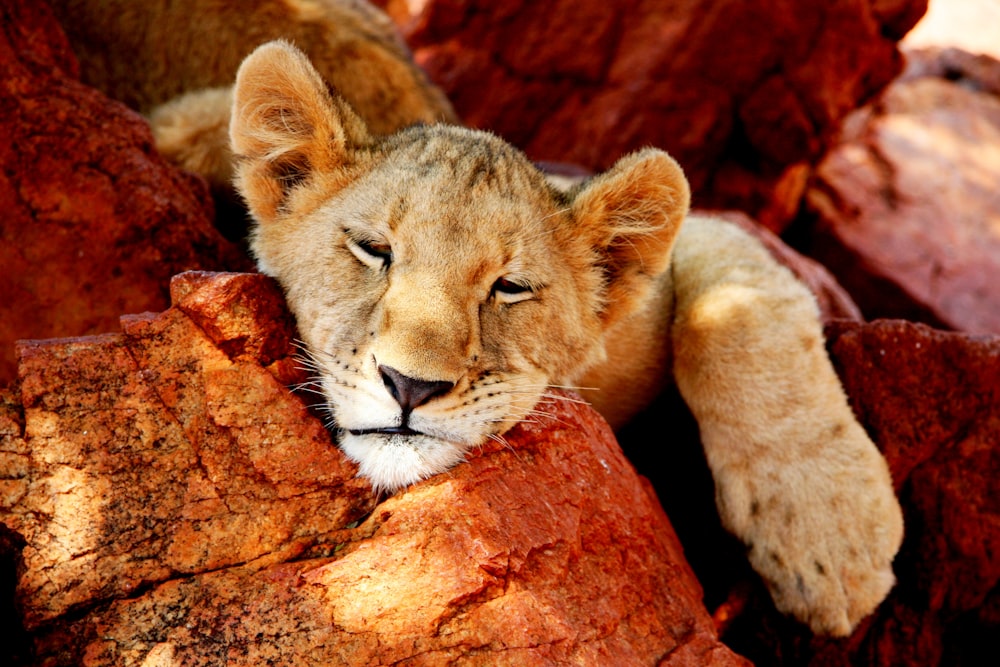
{"points": [[905, 210], [172, 501], [178, 504], [746, 95], [94, 222]]}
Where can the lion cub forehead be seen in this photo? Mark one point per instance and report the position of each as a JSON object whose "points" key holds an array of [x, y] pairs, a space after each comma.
{"points": [[457, 160], [453, 184]]}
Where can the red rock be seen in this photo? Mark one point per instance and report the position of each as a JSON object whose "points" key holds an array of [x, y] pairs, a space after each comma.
{"points": [[155, 455], [94, 222], [745, 95], [177, 502], [241, 318], [907, 209]]}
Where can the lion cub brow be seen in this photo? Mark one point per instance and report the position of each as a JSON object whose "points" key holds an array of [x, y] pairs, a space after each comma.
{"points": [[469, 161]]}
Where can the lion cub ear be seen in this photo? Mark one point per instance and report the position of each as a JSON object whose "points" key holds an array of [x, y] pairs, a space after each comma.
{"points": [[631, 215], [285, 126]]}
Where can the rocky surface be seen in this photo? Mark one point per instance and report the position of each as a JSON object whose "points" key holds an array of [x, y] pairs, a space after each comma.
{"points": [[745, 95], [94, 222], [905, 211], [932, 402], [179, 504]]}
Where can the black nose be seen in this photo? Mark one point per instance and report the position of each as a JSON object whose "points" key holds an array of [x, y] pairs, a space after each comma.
{"points": [[410, 392]]}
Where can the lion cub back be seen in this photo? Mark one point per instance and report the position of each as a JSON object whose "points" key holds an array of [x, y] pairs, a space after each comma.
{"points": [[176, 61]]}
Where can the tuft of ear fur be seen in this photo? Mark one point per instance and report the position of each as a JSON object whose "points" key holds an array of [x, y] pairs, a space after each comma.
{"points": [[631, 214], [285, 126]]}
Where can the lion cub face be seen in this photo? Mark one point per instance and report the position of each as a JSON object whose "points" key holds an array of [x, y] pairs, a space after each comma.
{"points": [[439, 283]]}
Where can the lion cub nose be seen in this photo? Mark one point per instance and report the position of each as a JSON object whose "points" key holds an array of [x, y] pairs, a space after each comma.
{"points": [[410, 392]]}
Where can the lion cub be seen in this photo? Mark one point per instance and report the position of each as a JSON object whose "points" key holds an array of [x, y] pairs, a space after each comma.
{"points": [[441, 284]]}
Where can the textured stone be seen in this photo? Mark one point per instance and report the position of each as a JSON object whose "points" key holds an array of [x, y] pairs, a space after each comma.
{"points": [[152, 454], [179, 505], [745, 94], [907, 209], [94, 221]]}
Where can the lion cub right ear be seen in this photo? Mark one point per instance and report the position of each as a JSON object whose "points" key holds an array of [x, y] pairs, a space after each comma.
{"points": [[631, 215], [286, 126]]}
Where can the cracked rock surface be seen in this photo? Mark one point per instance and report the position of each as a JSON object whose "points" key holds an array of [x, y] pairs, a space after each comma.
{"points": [[746, 95], [85, 196], [179, 505], [153, 454]]}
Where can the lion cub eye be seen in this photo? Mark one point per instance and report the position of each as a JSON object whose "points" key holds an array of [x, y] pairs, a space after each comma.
{"points": [[374, 254], [507, 291]]}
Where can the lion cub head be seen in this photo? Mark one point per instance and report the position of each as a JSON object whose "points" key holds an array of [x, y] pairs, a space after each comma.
{"points": [[439, 282]]}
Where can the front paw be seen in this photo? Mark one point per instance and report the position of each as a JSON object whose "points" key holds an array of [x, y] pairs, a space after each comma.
{"points": [[821, 531]]}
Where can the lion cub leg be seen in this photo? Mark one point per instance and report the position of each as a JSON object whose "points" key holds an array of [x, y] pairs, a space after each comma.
{"points": [[797, 478]]}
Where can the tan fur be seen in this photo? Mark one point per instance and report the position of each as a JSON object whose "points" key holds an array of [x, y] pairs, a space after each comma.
{"points": [[442, 254], [175, 61]]}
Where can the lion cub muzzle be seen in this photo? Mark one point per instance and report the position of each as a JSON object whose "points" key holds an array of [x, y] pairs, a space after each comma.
{"points": [[410, 393]]}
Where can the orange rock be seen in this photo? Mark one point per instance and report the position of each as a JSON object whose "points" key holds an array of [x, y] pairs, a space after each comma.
{"points": [[177, 501], [153, 454]]}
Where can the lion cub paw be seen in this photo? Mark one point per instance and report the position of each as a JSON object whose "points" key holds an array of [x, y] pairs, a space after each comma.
{"points": [[822, 532]]}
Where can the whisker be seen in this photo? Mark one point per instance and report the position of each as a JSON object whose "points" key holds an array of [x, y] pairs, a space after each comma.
{"points": [[555, 213], [570, 387], [308, 389], [506, 445]]}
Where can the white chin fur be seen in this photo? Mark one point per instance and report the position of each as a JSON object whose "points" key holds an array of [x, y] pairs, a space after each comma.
{"points": [[391, 462]]}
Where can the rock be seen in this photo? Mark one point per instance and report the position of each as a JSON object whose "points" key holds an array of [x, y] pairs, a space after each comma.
{"points": [[179, 505], [745, 95], [95, 222], [931, 402], [153, 454], [906, 208]]}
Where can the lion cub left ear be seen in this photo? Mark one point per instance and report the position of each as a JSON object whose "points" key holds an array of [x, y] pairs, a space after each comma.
{"points": [[286, 125], [631, 214]]}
